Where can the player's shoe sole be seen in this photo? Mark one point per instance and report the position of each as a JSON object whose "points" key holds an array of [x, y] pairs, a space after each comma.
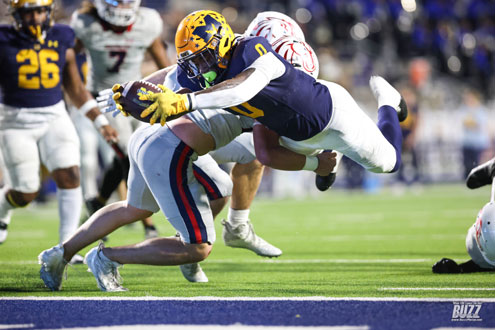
{"points": [[193, 273]]}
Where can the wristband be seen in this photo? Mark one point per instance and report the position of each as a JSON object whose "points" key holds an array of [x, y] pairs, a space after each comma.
{"points": [[100, 121], [192, 101], [311, 163], [88, 105]]}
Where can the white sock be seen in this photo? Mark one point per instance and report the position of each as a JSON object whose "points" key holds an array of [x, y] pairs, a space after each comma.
{"points": [[237, 217], [69, 211], [5, 207]]}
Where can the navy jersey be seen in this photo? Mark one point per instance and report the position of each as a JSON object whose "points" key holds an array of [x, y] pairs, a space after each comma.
{"points": [[294, 105], [32, 72]]}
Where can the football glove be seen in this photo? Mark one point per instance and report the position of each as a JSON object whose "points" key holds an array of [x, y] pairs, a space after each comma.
{"points": [[446, 266], [116, 96], [164, 105]]}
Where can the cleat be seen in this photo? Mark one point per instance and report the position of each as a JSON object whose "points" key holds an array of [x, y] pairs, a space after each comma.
{"points": [[481, 175], [53, 267], [386, 94], [105, 270], [3, 232], [193, 273], [446, 266], [150, 232], [243, 236], [77, 259], [323, 183]]}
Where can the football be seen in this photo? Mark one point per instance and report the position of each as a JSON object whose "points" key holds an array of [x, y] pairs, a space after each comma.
{"points": [[130, 97]]}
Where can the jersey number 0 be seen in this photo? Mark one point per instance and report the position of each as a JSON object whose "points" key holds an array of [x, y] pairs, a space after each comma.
{"points": [[39, 69]]}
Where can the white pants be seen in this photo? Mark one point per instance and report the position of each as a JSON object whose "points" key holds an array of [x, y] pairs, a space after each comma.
{"points": [[161, 176], [53, 142], [351, 132], [240, 150]]}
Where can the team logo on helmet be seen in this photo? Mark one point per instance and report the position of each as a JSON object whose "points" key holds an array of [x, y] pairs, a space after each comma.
{"points": [[203, 41]]}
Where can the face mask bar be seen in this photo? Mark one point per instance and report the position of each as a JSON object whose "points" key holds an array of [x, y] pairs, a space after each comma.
{"points": [[202, 62]]}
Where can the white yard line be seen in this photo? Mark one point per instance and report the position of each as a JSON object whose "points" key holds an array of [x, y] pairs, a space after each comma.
{"points": [[209, 298], [275, 261], [436, 289]]}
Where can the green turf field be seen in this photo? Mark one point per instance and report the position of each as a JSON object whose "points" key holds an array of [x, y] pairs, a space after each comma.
{"points": [[340, 244]]}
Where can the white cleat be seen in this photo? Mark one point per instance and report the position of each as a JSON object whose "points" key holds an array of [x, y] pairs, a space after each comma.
{"points": [[386, 94], [193, 273], [105, 270], [53, 266], [3, 232], [77, 259], [243, 236]]}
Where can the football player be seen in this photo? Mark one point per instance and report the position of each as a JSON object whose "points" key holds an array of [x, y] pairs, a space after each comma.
{"points": [[36, 60], [161, 177], [117, 34], [293, 110], [480, 239]]}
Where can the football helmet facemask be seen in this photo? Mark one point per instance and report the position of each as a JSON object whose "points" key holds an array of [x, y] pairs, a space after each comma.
{"points": [[485, 232], [32, 28], [203, 42], [120, 13], [298, 53], [273, 25]]}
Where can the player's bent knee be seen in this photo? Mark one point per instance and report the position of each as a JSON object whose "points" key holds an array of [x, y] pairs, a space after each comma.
{"points": [[199, 252], [67, 178], [20, 199]]}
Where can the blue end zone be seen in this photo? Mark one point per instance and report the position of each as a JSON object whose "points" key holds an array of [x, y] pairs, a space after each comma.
{"points": [[55, 314]]}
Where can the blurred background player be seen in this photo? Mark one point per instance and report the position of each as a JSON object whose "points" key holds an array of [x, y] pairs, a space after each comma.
{"points": [[116, 34], [37, 58], [480, 239]]}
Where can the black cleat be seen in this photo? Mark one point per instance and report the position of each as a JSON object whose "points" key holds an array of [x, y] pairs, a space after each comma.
{"points": [[403, 110], [323, 183], [481, 175], [446, 266]]}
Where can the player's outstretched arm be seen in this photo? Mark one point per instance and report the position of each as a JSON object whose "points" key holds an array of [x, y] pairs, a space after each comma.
{"points": [[82, 99], [270, 153]]}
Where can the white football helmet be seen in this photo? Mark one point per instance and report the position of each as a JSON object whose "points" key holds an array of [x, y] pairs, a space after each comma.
{"points": [[298, 53], [273, 25], [118, 12], [485, 232]]}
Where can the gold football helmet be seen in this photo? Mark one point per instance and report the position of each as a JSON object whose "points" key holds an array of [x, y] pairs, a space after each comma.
{"points": [[32, 27], [203, 42]]}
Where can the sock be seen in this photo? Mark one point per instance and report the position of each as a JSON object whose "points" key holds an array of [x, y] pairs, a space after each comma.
{"points": [[388, 123], [237, 217], [5, 207], [69, 211], [112, 178]]}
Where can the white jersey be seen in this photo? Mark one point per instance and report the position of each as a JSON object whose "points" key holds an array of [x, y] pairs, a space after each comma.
{"points": [[116, 57], [222, 125]]}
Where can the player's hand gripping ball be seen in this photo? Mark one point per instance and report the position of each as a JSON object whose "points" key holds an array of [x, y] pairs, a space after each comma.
{"points": [[128, 98], [166, 104]]}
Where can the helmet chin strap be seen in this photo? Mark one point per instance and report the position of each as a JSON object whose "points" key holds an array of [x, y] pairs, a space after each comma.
{"points": [[209, 77]]}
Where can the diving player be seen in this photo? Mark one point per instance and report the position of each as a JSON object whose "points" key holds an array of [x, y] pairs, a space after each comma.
{"points": [[37, 58], [117, 34], [245, 76], [161, 177]]}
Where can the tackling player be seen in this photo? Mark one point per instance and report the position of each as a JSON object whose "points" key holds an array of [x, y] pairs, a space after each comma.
{"points": [[480, 239], [294, 110], [36, 60], [161, 177], [117, 34]]}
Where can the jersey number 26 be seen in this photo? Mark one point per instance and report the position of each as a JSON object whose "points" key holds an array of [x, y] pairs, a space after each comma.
{"points": [[38, 71]]}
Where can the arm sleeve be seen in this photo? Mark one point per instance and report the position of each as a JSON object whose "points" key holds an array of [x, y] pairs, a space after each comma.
{"points": [[267, 68]]}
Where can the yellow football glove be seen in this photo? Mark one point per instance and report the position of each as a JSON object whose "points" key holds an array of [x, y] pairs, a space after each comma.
{"points": [[116, 89], [165, 104]]}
